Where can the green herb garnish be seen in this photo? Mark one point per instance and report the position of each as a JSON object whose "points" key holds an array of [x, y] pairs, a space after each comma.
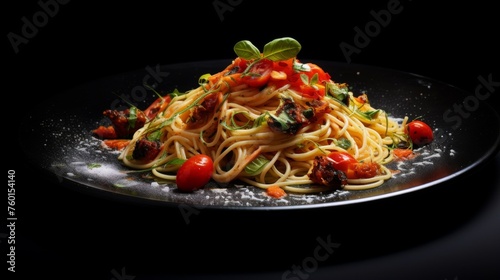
{"points": [[256, 166]]}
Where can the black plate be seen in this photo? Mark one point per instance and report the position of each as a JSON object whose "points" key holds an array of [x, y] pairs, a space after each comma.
{"points": [[466, 129]]}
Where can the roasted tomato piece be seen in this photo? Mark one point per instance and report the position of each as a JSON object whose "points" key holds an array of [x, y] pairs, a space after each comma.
{"points": [[342, 160], [146, 150], [105, 132], [324, 173], [157, 106], [126, 122], [203, 113]]}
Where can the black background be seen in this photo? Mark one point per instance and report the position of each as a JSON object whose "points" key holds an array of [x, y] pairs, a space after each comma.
{"points": [[62, 233]]}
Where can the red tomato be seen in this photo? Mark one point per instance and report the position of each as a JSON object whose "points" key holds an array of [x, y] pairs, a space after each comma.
{"points": [[342, 160], [194, 173], [259, 73], [419, 132], [352, 168], [315, 69], [241, 63], [316, 90]]}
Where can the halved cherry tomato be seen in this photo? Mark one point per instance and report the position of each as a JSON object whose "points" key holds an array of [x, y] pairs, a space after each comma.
{"points": [[315, 69], [194, 173], [342, 160], [157, 106], [419, 132], [352, 168], [259, 73]]}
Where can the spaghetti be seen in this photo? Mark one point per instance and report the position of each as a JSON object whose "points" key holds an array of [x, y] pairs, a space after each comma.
{"points": [[269, 120]]}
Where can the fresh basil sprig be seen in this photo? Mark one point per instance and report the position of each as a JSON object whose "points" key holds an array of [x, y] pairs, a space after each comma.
{"points": [[276, 50], [245, 49]]}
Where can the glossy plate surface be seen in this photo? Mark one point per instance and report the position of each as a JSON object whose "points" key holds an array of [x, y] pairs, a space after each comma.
{"points": [[60, 141]]}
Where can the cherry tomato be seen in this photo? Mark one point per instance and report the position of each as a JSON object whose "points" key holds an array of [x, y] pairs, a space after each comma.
{"points": [[342, 160], [315, 69], [352, 168], [194, 173], [157, 106], [419, 132], [241, 63], [259, 73]]}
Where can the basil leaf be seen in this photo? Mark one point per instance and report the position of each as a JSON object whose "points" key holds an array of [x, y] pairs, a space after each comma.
{"points": [[314, 79], [282, 49], [255, 166], [175, 161], [132, 118], [154, 135], [301, 67], [339, 92], [93, 165], [246, 50], [369, 114], [260, 120], [344, 143], [304, 78], [234, 125]]}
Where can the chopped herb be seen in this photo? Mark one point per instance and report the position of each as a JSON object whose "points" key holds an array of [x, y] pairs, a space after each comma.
{"points": [[343, 143], [132, 118], [93, 165], [256, 166], [176, 93], [234, 125], [338, 91], [369, 114], [260, 120], [175, 161], [154, 135]]}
